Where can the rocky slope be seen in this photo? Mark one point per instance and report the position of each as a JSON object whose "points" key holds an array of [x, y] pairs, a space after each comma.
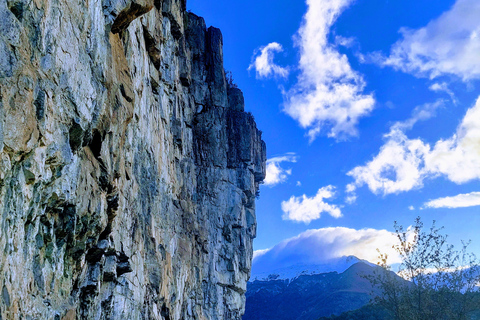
{"points": [[128, 168]]}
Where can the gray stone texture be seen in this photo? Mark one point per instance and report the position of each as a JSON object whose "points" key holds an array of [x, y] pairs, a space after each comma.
{"points": [[128, 169]]}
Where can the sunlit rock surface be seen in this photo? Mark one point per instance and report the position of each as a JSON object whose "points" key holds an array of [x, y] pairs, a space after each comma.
{"points": [[128, 168]]}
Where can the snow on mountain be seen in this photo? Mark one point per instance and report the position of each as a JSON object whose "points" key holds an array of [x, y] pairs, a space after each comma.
{"points": [[265, 272]]}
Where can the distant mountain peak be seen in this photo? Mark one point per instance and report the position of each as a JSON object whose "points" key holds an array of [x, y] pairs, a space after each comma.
{"points": [[310, 292], [285, 271]]}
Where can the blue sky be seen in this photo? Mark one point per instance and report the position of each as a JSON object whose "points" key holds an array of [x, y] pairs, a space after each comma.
{"points": [[369, 111]]}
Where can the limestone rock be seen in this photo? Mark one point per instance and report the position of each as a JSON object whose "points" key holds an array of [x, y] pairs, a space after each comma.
{"points": [[128, 169]]}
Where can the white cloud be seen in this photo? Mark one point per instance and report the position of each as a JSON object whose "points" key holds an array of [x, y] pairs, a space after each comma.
{"points": [[402, 163], [322, 245], [420, 113], [460, 201], [344, 42], [351, 199], [396, 168], [351, 196], [328, 94], [448, 45], [304, 209], [411, 208], [275, 173], [458, 158], [263, 62], [258, 253], [443, 87]]}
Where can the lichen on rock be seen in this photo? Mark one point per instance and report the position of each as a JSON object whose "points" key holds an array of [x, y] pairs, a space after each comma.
{"points": [[128, 168]]}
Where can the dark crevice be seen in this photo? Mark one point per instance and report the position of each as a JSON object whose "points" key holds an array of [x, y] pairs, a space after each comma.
{"points": [[165, 312], [104, 178], [75, 135], [125, 17], [74, 287], [39, 104], [17, 9], [112, 207], [154, 84], [95, 144], [105, 233], [87, 296], [153, 52], [107, 306], [124, 93], [177, 131], [112, 203], [94, 255], [175, 27], [65, 225], [117, 104], [123, 264]]}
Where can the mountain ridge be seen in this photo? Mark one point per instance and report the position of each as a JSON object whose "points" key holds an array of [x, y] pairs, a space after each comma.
{"points": [[310, 296], [338, 265]]}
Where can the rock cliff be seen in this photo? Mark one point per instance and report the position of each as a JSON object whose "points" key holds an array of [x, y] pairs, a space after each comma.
{"points": [[128, 167]]}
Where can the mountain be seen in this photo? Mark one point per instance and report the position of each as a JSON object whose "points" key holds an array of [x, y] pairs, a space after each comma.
{"points": [[310, 296], [265, 271]]}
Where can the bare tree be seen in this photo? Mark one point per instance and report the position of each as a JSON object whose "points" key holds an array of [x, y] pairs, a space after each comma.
{"points": [[436, 281]]}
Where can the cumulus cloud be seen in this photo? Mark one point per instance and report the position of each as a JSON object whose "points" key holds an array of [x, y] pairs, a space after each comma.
{"points": [[458, 158], [460, 201], [305, 209], [396, 168], [275, 173], [402, 163], [263, 62], [328, 94], [320, 246], [448, 45]]}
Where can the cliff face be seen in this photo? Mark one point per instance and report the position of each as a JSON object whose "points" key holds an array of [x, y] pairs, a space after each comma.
{"points": [[128, 168]]}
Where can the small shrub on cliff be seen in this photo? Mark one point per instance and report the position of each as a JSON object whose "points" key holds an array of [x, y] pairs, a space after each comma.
{"points": [[230, 81]]}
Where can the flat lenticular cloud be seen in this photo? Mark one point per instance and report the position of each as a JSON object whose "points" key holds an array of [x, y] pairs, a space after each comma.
{"points": [[328, 95], [460, 201], [402, 163], [321, 245], [305, 209], [448, 45], [263, 62], [275, 173]]}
